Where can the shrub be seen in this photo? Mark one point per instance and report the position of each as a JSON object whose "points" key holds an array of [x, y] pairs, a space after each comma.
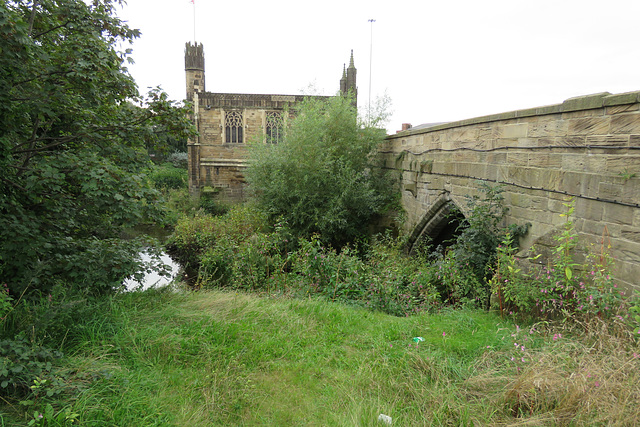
{"points": [[178, 159], [22, 363], [167, 176], [464, 271], [322, 178], [257, 261], [212, 206], [337, 276], [563, 288], [207, 244]]}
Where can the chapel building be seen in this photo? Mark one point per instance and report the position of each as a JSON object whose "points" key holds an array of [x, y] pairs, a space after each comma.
{"points": [[226, 122]]}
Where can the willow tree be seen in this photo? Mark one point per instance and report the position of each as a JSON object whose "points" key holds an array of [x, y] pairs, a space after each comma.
{"points": [[324, 177]]}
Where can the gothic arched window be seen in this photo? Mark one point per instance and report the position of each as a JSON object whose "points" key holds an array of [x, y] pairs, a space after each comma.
{"points": [[274, 127], [233, 126]]}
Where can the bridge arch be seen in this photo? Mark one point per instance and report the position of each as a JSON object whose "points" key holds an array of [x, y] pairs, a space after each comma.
{"points": [[438, 225]]}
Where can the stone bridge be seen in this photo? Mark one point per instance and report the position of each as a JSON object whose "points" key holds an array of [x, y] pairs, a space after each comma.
{"points": [[587, 148]]}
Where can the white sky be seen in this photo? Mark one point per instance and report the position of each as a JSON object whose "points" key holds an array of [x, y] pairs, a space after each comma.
{"points": [[437, 60]]}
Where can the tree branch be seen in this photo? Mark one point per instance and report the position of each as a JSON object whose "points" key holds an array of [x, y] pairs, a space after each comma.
{"points": [[32, 16]]}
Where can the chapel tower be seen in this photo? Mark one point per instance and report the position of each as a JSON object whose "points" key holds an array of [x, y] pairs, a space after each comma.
{"points": [[194, 67]]}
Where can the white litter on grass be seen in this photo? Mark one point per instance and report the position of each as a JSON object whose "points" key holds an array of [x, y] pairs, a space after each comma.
{"points": [[385, 419]]}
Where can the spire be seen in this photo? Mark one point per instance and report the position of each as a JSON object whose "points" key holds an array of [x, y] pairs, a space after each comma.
{"points": [[351, 85], [343, 80]]}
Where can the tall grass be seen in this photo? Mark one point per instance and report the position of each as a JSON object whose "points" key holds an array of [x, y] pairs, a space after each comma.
{"points": [[231, 358]]}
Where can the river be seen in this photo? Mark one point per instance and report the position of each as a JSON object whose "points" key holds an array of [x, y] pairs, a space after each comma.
{"points": [[152, 279]]}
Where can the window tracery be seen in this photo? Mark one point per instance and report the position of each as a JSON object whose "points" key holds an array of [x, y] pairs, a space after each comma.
{"points": [[233, 127], [274, 127]]}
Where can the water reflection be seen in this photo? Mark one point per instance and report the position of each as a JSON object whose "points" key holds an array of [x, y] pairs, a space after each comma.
{"points": [[153, 279]]}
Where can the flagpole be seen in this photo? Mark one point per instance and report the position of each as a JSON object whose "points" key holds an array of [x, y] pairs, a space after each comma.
{"points": [[194, 21]]}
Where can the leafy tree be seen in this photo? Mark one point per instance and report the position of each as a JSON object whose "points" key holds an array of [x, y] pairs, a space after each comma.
{"points": [[72, 134], [322, 178]]}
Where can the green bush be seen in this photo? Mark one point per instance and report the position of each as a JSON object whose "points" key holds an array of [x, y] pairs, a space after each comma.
{"points": [[22, 364], [212, 206], [323, 179], [207, 244], [178, 159], [258, 261], [399, 285], [167, 176], [564, 287]]}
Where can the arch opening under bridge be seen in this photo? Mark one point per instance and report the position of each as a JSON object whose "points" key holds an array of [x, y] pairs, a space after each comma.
{"points": [[439, 226]]}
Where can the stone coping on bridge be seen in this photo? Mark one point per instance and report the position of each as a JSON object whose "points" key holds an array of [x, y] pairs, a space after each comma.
{"points": [[580, 103]]}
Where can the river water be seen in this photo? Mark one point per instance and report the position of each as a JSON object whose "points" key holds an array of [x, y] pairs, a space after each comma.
{"points": [[152, 279]]}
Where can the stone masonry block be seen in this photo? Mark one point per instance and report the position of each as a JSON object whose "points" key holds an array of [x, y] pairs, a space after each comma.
{"points": [[517, 159], [571, 182], [574, 162], [596, 164], [519, 200], [619, 109], [620, 164], [586, 102], [582, 113], [505, 142], [589, 126], [573, 141], [608, 140], [545, 159], [630, 233], [514, 131], [590, 185], [610, 191], [618, 214], [625, 124], [627, 250], [548, 128]]}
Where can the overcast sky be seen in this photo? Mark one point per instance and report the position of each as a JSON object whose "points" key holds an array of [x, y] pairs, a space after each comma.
{"points": [[437, 60]]}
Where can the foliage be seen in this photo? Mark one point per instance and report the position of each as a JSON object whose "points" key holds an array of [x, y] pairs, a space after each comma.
{"points": [[396, 284], [73, 132], [563, 288], [235, 358], [57, 320], [5, 302], [509, 283], [324, 271], [213, 206], [167, 176], [481, 230], [322, 178], [22, 364], [259, 263], [457, 281], [464, 269], [217, 236], [178, 159]]}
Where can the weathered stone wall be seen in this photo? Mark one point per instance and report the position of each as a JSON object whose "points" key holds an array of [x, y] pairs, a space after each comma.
{"points": [[214, 164], [586, 147], [219, 166]]}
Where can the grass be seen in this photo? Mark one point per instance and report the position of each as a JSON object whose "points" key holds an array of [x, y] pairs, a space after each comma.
{"points": [[215, 358]]}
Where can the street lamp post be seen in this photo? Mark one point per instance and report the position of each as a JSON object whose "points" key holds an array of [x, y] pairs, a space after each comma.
{"points": [[370, 64]]}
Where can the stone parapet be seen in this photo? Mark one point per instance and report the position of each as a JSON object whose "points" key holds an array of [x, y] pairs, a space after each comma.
{"points": [[587, 148]]}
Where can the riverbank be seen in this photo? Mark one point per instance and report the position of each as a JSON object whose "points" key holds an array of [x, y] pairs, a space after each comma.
{"points": [[229, 358]]}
